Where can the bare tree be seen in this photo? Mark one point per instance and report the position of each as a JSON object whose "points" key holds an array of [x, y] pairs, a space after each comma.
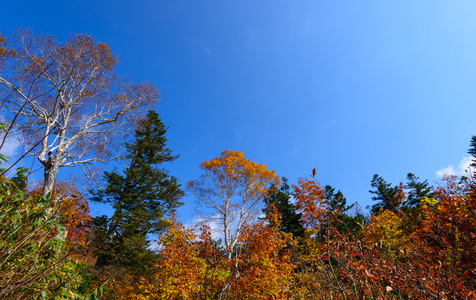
{"points": [[233, 188], [69, 103]]}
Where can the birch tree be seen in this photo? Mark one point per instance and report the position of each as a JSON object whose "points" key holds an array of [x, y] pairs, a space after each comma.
{"points": [[69, 105], [233, 188]]}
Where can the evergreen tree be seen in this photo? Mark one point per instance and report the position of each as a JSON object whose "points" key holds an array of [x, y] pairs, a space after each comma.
{"points": [[472, 150], [336, 209], [336, 201], [337, 216], [406, 197], [417, 190], [141, 196], [290, 219], [388, 197]]}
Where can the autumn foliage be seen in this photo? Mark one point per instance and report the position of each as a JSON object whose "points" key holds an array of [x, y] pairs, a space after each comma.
{"points": [[195, 267], [423, 253], [310, 201], [73, 209], [429, 255], [426, 251], [415, 242], [233, 188]]}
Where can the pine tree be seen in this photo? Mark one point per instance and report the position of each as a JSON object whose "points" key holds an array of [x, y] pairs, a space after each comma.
{"points": [[337, 216], [336, 201], [388, 197], [417, 190], [472, 150], [141, 196]]}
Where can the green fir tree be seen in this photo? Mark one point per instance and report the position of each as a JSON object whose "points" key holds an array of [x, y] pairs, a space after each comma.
{"points": [[281, 199], [141, 197]]}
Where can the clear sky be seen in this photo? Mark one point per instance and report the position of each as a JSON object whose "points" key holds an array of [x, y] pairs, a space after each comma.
{"points": [[350, 88]]}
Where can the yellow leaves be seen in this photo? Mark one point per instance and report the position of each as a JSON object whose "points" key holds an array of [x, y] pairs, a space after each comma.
{"points": [[428, 202], [231, 166], [385, 230], [232, 171], [192, 266], [234, 187]]}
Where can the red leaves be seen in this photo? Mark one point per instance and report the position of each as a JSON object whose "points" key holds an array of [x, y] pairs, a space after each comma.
{"points": [[392, 258], [310, 201], [74, 211]]}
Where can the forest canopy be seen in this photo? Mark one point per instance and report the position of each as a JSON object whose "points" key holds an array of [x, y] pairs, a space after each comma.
{"points": [[275, 240]]}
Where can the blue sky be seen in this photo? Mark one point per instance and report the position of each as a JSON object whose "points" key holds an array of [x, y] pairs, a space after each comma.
{"points": [[350, 88]]}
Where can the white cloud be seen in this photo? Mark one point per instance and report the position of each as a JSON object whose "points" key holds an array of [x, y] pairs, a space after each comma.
{"points": [[10, 147], [12, 143], [214, 222], [459, 170]]}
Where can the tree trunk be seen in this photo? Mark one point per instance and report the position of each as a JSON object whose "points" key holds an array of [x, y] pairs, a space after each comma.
{"points": [[50, 172], [50, 176]]}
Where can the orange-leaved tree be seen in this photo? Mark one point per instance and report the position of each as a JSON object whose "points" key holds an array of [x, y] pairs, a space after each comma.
{"points": [[446, 253], [310, 201], [193, 266], [73, 209], [262, 267], [180, 270], [232, 188]]}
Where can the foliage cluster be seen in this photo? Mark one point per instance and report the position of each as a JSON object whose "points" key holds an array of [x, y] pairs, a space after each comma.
{"points": [[418, 242], [37, 247]]}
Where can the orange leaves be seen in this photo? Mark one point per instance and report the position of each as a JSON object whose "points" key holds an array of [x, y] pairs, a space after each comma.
{"points": [[194, 266], [233, 188], [310, 201], [179, 272], [74, 211], [232, 167], [263, 264], [447, 247], [232, 173], [4, 52]]}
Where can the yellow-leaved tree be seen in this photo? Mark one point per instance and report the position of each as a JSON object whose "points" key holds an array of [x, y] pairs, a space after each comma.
{"points": [[232, 188]]}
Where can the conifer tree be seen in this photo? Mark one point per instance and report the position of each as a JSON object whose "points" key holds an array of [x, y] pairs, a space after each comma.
{"points": [[337, 212], [388, 197], [141, 196], [472, 150], [336, 201], [290, 218], [417, 190]]}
